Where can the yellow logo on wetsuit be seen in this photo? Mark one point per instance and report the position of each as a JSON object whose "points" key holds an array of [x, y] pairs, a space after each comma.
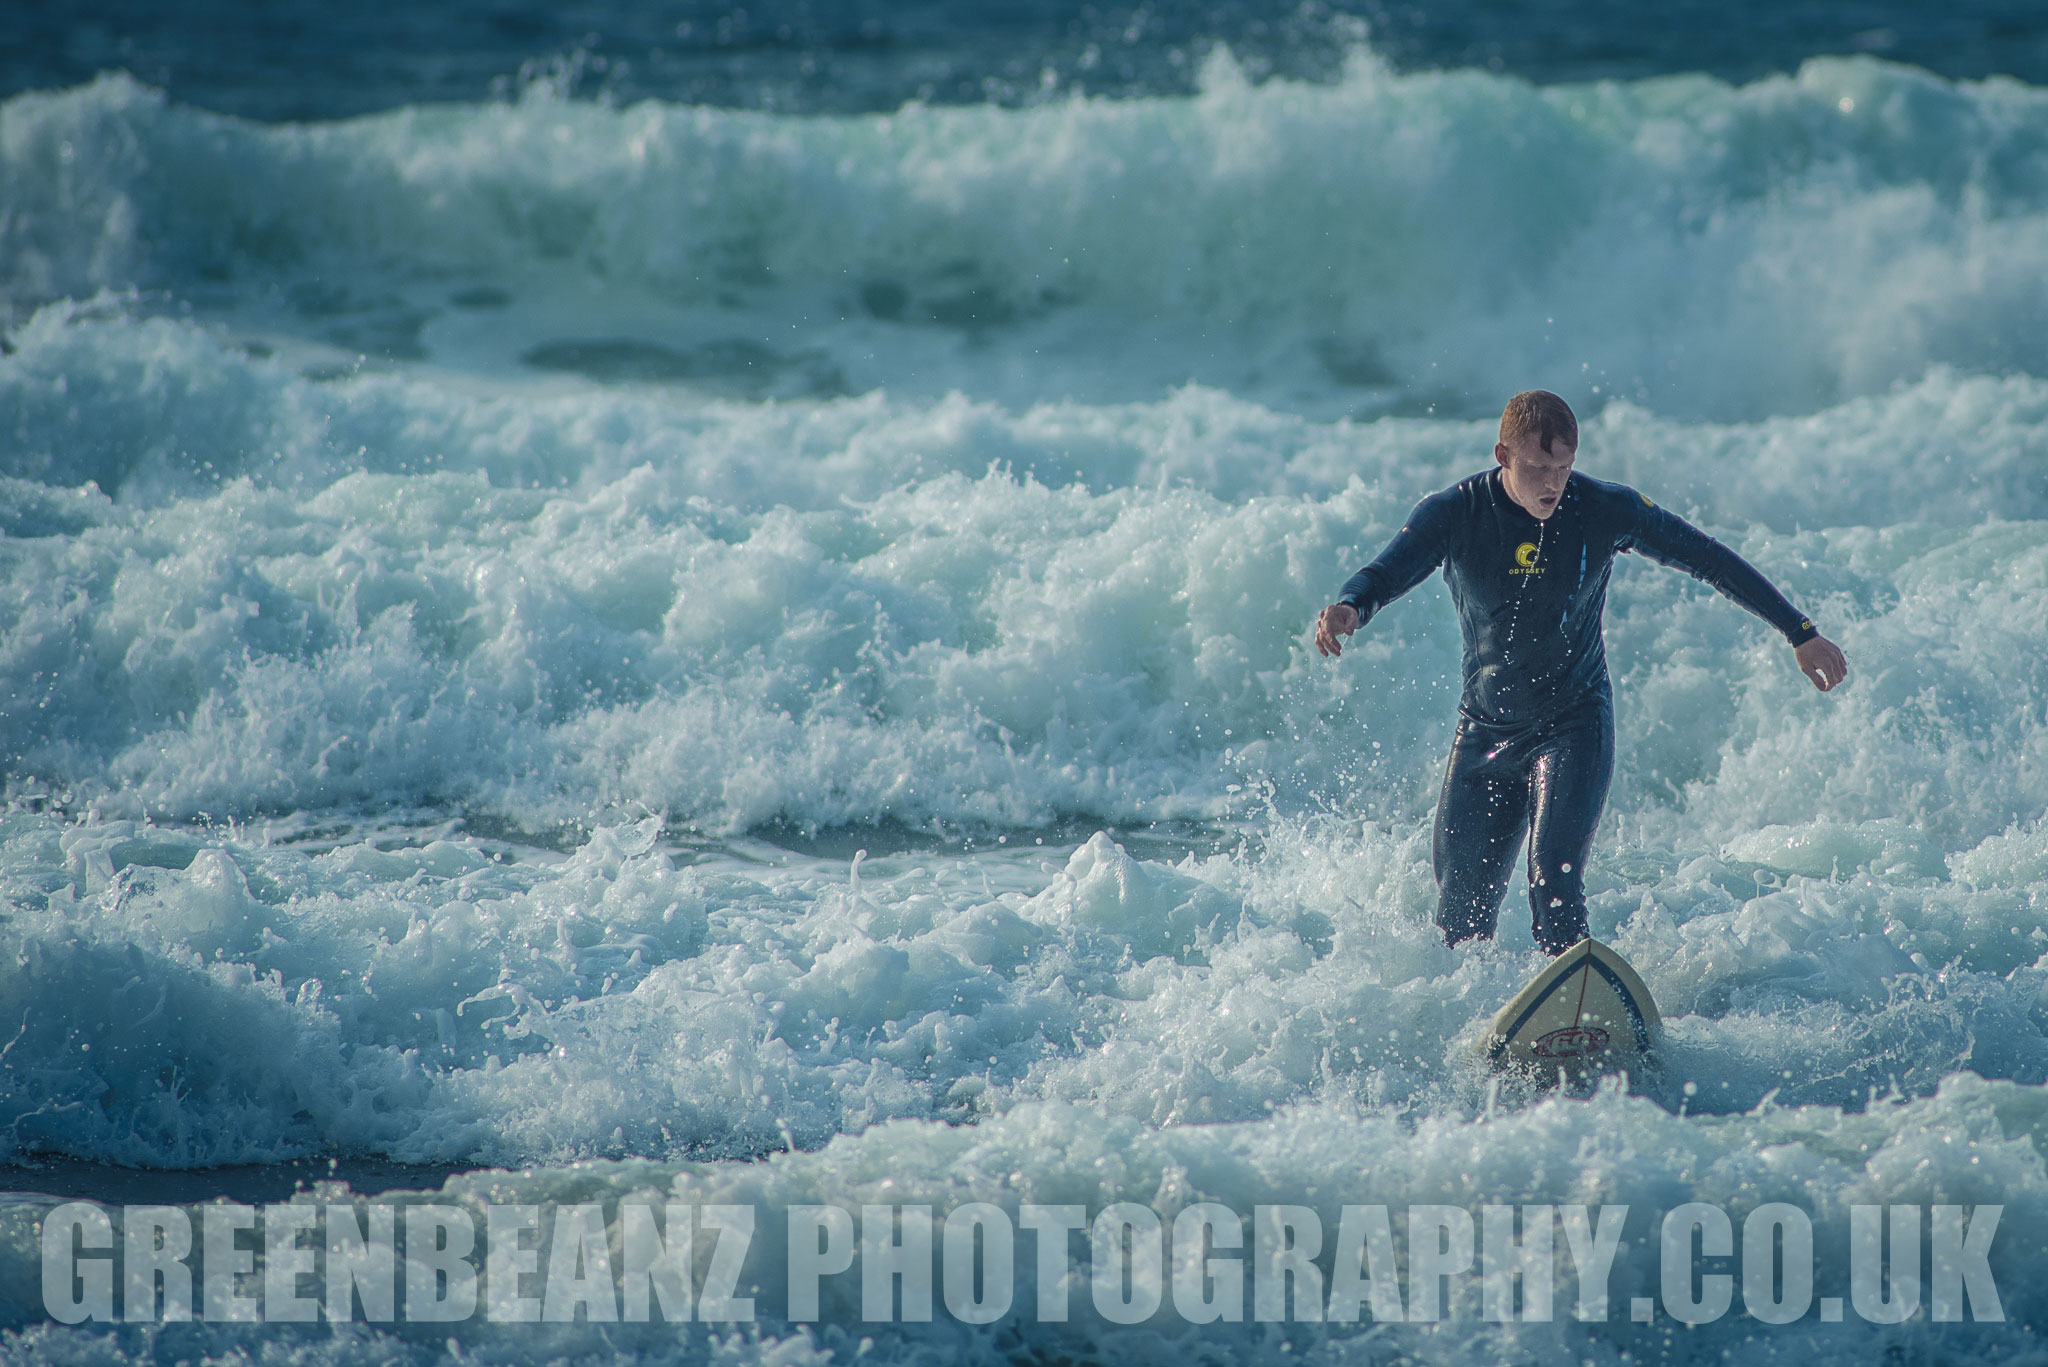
{"points": [[1525, 559]]}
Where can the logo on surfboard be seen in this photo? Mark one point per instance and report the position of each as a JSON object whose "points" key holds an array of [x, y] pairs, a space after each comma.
{"points": [[1574, 1041]]}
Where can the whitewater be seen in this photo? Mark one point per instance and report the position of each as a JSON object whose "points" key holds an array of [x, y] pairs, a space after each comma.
{"points": [[596, 649]]}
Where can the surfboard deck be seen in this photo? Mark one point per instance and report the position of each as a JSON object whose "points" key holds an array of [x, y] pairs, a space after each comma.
{"points": [[1586, 1012]]}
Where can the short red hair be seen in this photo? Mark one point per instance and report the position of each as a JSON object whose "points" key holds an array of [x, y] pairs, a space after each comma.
{"points": [[1539, 413]]}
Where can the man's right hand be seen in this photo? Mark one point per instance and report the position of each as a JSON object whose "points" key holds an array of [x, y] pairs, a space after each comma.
{"points": [[1338, 619]]}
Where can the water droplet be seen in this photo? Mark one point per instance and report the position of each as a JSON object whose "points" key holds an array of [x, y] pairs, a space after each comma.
{"points": [[1565, 867]]}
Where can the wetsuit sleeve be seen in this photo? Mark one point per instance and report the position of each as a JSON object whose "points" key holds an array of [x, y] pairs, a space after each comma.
{"points": [[1669, 539], [1417, 549]]}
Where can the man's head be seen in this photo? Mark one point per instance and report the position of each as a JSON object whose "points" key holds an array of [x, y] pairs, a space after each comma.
{"points": [[1539, 437]]}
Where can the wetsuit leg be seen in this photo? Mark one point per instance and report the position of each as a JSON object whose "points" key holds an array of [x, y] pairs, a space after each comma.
{"points": [[1479, 823], [1568, 782]]}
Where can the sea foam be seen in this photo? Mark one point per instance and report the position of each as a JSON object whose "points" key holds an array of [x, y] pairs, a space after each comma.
{"points": [[1389, 239]]}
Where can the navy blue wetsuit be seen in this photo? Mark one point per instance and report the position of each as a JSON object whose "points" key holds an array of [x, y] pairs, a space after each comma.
{"points": [[1535, 743]]}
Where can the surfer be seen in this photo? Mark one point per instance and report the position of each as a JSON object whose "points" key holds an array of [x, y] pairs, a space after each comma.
{"points": [[1526, 548]]}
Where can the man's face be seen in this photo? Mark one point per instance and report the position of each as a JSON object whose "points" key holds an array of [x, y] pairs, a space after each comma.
{"points": [[1534, 477]]}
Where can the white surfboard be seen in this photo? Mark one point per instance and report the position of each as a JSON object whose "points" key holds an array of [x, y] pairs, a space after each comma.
{"points": [[1586, 1012]]}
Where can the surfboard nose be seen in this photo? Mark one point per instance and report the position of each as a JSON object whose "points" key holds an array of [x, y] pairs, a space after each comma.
{"points": [[1586, 1009]]}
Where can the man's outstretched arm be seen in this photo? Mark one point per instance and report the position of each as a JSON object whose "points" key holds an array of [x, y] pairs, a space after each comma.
{"points": [[1416, 550], [1670, 540]]}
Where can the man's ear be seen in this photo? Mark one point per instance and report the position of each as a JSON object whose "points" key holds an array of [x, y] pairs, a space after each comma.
{"points": [[1500, 453]]}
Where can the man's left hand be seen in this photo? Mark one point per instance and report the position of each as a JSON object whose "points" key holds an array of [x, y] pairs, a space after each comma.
{"points": [[1822, 661]]}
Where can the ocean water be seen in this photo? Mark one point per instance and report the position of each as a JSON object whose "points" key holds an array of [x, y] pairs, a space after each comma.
{"points": [[743, 633]]}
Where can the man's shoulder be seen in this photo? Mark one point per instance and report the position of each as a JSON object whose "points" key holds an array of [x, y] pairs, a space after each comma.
{"points": [[1609, 500], [1467, 494], [1446, 513], [1607, 490]]}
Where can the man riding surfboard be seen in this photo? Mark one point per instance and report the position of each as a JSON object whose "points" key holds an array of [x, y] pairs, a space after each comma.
{"points": [[1526, 548]]}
